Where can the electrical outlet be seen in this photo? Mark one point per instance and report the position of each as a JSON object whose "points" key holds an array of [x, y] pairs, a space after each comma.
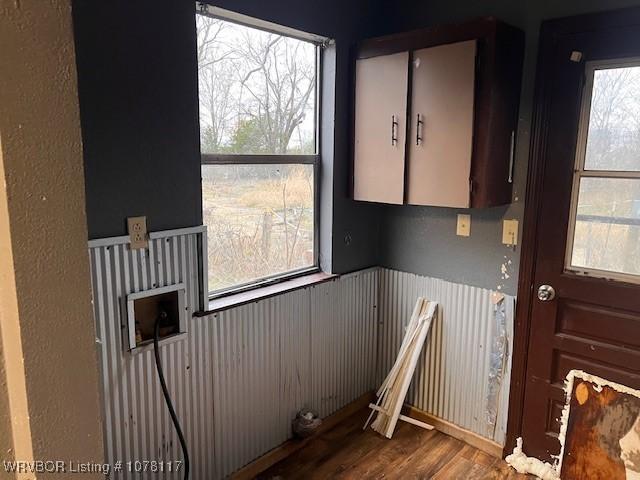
{"points": [[137, 232], [464, 225], [510, 232]]}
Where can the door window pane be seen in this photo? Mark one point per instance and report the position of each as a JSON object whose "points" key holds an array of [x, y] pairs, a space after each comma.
{"points": [[607, 229], [613, 140], [259, 220]]}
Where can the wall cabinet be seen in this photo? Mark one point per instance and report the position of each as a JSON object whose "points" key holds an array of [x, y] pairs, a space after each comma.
{"points": [[435, 114]]}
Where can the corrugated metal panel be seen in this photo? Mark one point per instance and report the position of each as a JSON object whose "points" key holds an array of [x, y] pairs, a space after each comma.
{"points": [[136, 420], [260, 375], [343, 340], [256, 364], [451, 378], [308, 348]]}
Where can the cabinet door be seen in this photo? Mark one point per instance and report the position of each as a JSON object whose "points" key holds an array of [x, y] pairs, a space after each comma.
{"points": [[441, 137], [380, 128]]}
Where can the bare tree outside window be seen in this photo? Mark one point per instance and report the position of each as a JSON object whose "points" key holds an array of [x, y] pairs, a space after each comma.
{"points": [[613, 141], [257, 94], [257, 90]]}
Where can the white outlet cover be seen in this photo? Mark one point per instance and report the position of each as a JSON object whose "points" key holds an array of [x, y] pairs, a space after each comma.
{"points": [[510, 232], [137, 227], [463, 228]]}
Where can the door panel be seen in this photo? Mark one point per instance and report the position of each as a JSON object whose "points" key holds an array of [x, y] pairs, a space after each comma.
{"points": [[593, 321], [440, 143], [380, 126]]}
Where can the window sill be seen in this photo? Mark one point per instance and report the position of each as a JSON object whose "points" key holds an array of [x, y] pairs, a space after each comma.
{"points": [[250, 296]]}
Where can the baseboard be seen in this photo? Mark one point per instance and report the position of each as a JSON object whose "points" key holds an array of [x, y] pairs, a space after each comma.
{"points": [[289, 447], [481, 443]]}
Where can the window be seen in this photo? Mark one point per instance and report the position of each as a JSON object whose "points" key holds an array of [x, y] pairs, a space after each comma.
{"points": [[605, 226], [258, 94]]}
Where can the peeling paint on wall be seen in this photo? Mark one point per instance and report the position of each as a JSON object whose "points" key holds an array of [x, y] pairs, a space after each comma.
{"points": [[498, 356]]}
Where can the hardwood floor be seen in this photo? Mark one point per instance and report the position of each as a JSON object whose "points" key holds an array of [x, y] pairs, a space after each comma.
{"points": [[348, 452]]}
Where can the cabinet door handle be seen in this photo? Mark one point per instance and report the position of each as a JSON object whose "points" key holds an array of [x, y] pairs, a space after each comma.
{"points": [[419, 124], [512, 153], [394, 127]]}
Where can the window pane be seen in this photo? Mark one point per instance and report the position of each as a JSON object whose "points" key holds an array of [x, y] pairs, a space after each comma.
{"points": [[607, 231], [257, 90], [613, 141], [259, 220]]}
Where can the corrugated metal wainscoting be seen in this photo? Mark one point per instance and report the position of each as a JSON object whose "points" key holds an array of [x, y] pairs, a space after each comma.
{"points": [[238, 376], [452, 377], [137, 425], [314, 347]]}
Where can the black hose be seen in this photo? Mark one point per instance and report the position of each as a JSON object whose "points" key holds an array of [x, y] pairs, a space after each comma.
{"points": [[167, 399]]}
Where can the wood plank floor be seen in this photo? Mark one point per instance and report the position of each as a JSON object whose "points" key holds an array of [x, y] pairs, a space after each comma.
{"points": [[347, 452]]}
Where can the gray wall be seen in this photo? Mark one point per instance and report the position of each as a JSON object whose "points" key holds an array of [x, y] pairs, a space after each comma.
{"points": [[138, 105], [422, 239], [138, 98]]}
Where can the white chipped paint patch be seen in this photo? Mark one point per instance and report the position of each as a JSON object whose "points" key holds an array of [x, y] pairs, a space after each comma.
{"points": [[630, 447], [533, 466], [504, 271]]}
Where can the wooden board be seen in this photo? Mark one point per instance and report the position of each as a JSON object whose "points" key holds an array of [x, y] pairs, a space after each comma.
{"points": [[602, 432]]}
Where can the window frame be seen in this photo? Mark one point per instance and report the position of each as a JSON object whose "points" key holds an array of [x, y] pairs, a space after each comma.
{"points": [[581, 172], [274, 159]]}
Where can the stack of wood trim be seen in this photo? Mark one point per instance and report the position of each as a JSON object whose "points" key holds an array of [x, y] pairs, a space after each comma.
{"points": [[393, 390]]}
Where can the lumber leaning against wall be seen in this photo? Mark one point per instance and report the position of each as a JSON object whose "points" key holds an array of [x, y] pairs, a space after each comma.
{"points": [[451, 380]]}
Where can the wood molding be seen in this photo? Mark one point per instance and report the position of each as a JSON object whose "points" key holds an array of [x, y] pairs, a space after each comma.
{"points": [[265, 291], [289, 447], [539, 132], [427, 37], [481, 443]]}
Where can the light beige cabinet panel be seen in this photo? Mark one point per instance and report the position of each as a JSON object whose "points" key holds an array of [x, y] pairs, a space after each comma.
{"points": [[442, 120], [380, 128]]}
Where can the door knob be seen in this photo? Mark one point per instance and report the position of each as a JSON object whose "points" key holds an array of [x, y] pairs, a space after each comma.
{"points": [[546, 293]]}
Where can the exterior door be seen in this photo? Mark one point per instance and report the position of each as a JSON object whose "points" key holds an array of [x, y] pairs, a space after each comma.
{"points": [[585, 307], [380, 127], [441, 139]]}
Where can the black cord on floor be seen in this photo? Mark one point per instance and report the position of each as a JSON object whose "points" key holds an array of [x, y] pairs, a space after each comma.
{"points": [[167, 398]]}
